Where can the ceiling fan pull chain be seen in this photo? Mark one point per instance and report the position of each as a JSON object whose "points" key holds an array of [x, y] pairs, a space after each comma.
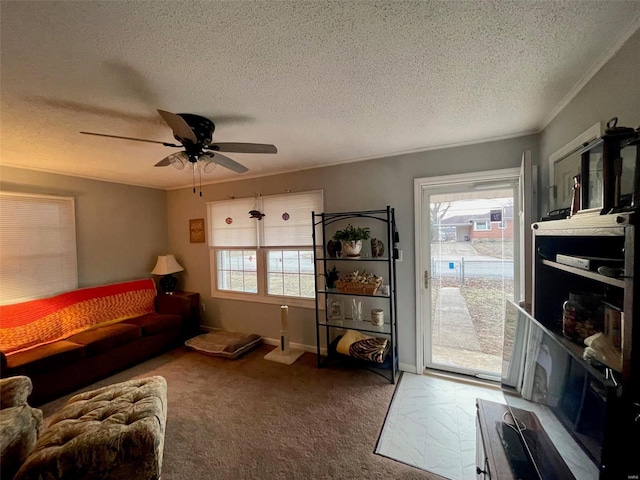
{"points": [[200, 178], [194, 179]]}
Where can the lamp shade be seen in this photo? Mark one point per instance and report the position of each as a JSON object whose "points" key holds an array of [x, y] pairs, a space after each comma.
{"points": [[166, 265]]}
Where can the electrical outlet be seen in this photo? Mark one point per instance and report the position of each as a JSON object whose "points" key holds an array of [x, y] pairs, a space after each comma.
{"points": [[203, 307]]}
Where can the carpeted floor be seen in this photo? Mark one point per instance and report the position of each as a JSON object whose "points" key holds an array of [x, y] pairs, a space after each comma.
{"points": [[250, 418]]}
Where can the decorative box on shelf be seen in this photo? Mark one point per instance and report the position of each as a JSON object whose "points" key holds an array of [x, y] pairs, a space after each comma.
{"points": [[358, 287]]}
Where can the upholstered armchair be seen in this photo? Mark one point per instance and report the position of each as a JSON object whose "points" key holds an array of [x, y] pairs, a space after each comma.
{"points": [[20, 424]]}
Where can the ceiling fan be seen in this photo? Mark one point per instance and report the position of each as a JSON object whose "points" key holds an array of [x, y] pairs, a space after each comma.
{"points": [[195, 133]]}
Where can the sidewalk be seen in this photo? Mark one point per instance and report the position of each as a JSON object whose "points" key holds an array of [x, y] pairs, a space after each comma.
{"points": [[452, 326], [454, 337]]}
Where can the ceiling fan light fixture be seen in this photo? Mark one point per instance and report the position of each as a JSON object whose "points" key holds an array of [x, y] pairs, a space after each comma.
{"points": [[207, 163], [178, 160]]}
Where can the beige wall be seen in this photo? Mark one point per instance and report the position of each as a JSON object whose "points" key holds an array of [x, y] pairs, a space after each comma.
{"points": [[613, 92], [365, 185], [120, 229]]}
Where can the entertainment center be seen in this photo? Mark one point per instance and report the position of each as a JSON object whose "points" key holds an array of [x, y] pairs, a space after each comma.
{"points": [[553, 390]]}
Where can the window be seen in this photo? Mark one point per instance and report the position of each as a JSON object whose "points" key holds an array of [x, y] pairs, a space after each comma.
{"points": [[237, 270], [37, 246], [267, 259], [502, 225], [481, 225], [290, 273]]}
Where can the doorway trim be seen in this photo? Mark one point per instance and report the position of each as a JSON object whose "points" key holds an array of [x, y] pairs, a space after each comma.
{"points": [[419, 185]]}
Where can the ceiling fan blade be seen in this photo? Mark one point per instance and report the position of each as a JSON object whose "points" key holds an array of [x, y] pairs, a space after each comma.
{"points": [[163, 163], [131, 138], [243, 147], [228, 163], [178, 125]]}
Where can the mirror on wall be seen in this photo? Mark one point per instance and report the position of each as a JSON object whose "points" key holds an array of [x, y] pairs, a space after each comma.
{"points": [[565, 164]]}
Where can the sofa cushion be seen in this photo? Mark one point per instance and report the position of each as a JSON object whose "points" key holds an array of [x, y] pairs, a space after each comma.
{"points": [[102, 339], [44, 358], [154, 323]]}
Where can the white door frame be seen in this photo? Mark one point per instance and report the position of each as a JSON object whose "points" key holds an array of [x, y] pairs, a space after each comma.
{"points": [[423, 247]]}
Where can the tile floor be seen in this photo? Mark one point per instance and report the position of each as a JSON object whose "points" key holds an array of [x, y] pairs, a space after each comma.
{"points": [[431, 424]]}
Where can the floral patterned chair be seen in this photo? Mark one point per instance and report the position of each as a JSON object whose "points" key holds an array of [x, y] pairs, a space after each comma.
{"points": [[111, 433], [20, 424]]}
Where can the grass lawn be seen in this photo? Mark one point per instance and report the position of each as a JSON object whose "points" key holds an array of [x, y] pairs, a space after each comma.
{"points": [[494, 248]]}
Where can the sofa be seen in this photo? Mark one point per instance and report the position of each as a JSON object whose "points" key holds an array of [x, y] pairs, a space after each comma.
{"points": [[20, 424], [70, 340]]}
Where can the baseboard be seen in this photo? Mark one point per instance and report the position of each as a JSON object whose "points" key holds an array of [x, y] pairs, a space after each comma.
{"points": [[208, 328], [405, 367], [299, 346]]}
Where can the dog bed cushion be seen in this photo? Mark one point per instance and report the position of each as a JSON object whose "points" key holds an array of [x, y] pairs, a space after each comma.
{"points": [[224, 344]]}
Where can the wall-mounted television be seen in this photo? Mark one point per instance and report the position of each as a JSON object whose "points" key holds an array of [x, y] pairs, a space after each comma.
{"points": [[543, 374]]}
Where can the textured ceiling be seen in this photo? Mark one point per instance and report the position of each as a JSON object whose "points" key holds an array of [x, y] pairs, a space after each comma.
{"points": [[326, 82]]}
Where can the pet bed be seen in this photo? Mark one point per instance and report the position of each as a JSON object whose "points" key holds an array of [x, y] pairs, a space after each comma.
{"points": [[225, 344]]}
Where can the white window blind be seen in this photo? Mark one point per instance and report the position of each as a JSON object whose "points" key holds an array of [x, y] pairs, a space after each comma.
{"points": [[287, 220], [37, 246], [230, 224], [267, 259]]}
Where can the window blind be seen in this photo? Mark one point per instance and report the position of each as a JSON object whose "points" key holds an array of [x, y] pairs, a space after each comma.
{"points": [[287, 221], [37, 246], [230, 224]]}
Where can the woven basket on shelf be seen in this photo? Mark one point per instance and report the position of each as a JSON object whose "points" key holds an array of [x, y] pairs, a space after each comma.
{"points": [[356, 287]]}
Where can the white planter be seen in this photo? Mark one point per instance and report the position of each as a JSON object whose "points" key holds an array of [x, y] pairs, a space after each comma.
{"points": [[352, 249]]}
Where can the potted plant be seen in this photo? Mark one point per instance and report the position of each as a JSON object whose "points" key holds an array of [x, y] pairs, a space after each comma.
{"points": [[351, 239], [331, 276]]}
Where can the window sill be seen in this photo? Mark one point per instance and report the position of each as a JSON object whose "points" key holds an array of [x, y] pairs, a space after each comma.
{"points": [[271, 299]]}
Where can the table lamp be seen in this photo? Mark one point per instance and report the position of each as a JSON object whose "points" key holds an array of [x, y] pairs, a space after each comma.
{"points": [[165, 266]]}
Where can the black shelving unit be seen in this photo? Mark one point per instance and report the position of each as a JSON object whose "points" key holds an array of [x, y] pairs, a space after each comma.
{"points": [[586, 236], [329, 330]]}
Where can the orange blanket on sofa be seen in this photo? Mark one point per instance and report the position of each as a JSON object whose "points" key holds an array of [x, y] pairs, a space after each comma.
{"points": [[24, 325]]}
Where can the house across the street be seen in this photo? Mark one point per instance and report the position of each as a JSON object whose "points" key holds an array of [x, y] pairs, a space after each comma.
{"points": [[468, 228]]}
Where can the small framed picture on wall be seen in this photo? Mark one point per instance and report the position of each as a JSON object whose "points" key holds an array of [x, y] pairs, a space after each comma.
{"points": [[196, 230]]}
